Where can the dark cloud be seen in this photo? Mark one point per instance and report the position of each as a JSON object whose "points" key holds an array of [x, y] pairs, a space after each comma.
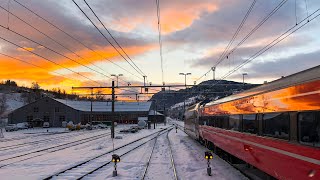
{"points": [[282, 67]]}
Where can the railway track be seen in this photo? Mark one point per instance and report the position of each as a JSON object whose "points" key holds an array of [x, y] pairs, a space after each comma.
{"points": [[25, 144], [30, 135], [144, 176], [236, 166], [41, 152], [88, 167]]}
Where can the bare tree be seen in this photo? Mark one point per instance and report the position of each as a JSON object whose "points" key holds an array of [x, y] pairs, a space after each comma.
{"points": [[99, 95], [3, 103], [35, 86]]}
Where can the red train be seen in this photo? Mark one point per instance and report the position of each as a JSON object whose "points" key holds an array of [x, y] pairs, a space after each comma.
{"points": [[274, 127]]}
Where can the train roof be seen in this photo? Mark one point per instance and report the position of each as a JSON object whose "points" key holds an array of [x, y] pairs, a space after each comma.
{"points": [[291, 80]]}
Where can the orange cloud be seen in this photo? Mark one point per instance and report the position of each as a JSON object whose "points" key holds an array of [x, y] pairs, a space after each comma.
{"points": [[175, 16], [175, 20]]}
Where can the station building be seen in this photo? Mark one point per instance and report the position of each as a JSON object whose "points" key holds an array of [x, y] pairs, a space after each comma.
{"points": [[55, 111], [155, 116]]}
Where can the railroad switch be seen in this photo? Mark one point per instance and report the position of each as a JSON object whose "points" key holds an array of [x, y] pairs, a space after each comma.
{"points": [[115, 159], [208, 155]]}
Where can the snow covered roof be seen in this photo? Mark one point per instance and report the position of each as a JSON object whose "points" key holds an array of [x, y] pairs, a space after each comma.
{"points": [[106, 106], [152, 112]]}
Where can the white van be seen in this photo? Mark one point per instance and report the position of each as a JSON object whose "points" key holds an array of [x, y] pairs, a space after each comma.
{"points": [[45, 125], [22, 126]]}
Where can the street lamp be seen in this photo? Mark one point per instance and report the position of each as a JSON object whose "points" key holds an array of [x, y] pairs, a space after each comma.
{"points": [[185, 77], [243, 74], [117, 77]]}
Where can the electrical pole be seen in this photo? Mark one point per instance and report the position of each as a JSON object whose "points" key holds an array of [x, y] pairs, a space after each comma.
{"points": [[91, 115], [144, 80], [112, 111], [213, 73], [244, 74]]}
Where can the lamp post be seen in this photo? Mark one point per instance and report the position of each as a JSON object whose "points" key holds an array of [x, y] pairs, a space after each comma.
{"points": [[185, 83], [243, 74], [185, 77], [117, 76]]}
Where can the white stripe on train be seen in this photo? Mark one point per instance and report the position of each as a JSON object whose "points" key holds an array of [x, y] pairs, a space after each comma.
{"points": [[297, 156]]}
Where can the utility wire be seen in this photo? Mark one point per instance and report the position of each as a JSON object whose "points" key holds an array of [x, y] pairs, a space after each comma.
{"points": [[237, 31], [48, 47], [277, 40], [250, 33], [233, 37], [107, 39], [160, 39], [26, 62], [72, 37], [49, 60], [114, 38]]}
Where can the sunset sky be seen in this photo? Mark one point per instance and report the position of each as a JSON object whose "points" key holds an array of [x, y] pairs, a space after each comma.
{"points": [[194, 34]]}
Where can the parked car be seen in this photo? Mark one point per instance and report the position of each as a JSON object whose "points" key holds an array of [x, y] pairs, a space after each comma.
{"points": [[46, 125], [22, 126], [102, 126], [11, 127]]}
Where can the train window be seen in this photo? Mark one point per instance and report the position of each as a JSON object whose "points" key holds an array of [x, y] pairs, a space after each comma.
{"points": [[276, 125], [250, 124], [211, 121], [222, 122], [203, 121], [309, 128], [234, 123]]}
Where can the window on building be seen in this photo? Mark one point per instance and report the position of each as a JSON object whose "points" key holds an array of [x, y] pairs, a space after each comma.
{"points": [[234, 123], [62, 118], [250, 123], [56, 109], [276, 125], [29, 118], [46, 118], [309, 128], [36, 109]]}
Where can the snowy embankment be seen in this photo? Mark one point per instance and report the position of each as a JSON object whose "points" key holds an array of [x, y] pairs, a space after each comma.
{"points": [[187, 153], [187, 102]]}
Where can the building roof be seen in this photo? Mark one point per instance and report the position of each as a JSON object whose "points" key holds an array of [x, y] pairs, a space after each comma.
{"points": [[106, 106], [153, 112]]}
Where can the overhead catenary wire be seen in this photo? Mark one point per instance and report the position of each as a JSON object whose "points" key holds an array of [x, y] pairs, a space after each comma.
{"points": [[35, 65], [249, 34], [107, 39], [114, 38], [237, 31], [160, 39], [277, 40], [72, 37], [15, 32], [233, 37], [49, 60]]}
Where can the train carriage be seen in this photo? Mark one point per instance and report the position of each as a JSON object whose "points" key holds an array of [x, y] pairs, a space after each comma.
{"points": [[274, 127]]}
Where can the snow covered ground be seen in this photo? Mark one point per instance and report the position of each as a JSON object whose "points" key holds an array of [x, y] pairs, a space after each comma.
{"points": [[42, 154]]}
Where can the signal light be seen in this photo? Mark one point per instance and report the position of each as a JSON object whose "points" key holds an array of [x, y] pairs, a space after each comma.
{"points": [[208, 155]]}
